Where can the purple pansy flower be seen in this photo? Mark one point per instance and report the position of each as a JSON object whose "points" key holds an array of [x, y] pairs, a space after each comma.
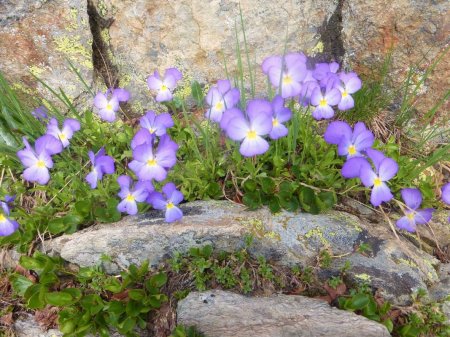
{"points": [[385, 169], [40, 113], [69, 127], [324, 102], [350, 83], [413, 216], [281, 114], [148, 165], [308, 86], [446, 193], [143, 136], [107, 107], [156, 124], [131, 195], [286, 73], [167, 202], [37, 161], [101, 164], [250, 131], [7, 226], [166, 85], [350, 143], [220, 98], [323, 71], [228, 115], [5, 203], [121, 94]]}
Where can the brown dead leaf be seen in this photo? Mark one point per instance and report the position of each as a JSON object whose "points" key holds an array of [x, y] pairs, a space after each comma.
{"points": [[24, 272], [334, 293], [7, 320], [120, 296], [47, 317]]}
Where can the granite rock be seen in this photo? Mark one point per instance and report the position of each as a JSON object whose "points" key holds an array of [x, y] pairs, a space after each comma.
{"points": [[225, 314], [396, 267]]}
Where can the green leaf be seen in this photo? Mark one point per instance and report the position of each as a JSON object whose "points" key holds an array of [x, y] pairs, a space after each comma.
{"points": [[359, 301], [35, 296], [274, 204], [59, 225], [83, 207], [250, 185], [156, 281], [127, 325], [20, 283], [388, 324], [136, 294], [252, 200], [113, 285], [267, 185], [58, 298], [197, 92]]}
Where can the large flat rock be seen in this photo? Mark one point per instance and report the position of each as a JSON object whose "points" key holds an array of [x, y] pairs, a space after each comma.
{"points": [[224, 314], [396, 267], [38, 37]]}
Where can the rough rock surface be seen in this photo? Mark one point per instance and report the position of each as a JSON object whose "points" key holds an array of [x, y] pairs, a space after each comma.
{"points": [[225, 314], [196, 36], [37, 37], [396, 267], [417, 30], [27, 327]]}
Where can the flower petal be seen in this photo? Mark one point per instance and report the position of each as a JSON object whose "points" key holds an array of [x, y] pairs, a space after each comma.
{"points": [[252, 147], [379, 194], [412, 197]]}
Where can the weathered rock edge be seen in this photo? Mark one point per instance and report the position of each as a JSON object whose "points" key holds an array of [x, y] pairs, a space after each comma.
{"points": [[396, 267], [219, 313]]}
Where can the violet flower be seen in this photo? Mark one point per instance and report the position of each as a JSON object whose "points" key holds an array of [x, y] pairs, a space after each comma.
{"points": [[167, 202], [156, 124], [281, 114], [350, 143], [121, 94], [228, 115], [413, 216], [324, 102], [7, 226], [148, 165], [250, 131], [65, 134], [5, 203], [220, 98], [385, 169], [350, 83], [143, 136], [130, 195], [37, 161], [40, 113], [286, 72], [107, 107], [323, 71], [446, 193], [166, 85], [101, 164]]}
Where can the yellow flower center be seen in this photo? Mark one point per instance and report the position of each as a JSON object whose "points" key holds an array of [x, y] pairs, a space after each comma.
{"points": [[410, 216], [377, 182], [2, 218], [108, 106], [351, 150], [130, 197], [62, 136], [40, 164], [164, 87], [151, 162], [251, 134], [287, 79], [219, 105], [344, 93], [170, 205], [323, 102], [275, 122], [152, 130]]}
